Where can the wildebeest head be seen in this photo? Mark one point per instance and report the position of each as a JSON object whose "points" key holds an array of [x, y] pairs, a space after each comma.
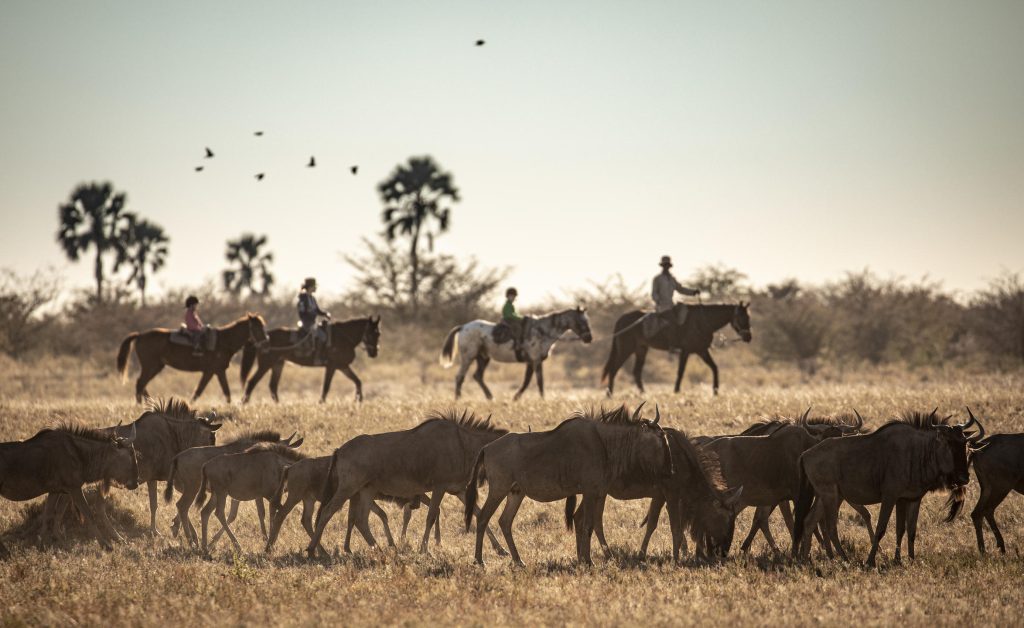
{"points": [[741, 321], [580, 324], [954, 455], [715, 524], [371, 335], [208, 429], [122, 467]]}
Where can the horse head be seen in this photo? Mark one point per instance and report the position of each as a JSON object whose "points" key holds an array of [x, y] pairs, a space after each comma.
{"points": [[371, 335], [580, 324], [257, 330], [741, 321]]}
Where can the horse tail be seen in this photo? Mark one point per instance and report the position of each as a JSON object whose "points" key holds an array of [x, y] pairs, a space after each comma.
{"points": [[570, 510], [804, 500], [450, 349], [610, 363], [471, 489], [248, 358], [122, 354], [330, 487], [169, 491]]}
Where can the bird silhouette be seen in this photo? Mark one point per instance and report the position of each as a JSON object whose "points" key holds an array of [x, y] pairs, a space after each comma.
{"points": [[209, 153], [199, 168], [354, 169], [258, 133], [312, 162], [480, 42], [259, 177]]}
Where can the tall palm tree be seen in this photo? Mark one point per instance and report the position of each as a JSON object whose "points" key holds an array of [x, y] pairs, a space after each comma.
{"points": [[93, 217], [145, 251], [252, 265], [415, 198]]}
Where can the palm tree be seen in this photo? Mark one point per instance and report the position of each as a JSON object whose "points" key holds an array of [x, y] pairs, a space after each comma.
{"points": [[252, 265], [415, 193], [145, 251], [94, 217]]}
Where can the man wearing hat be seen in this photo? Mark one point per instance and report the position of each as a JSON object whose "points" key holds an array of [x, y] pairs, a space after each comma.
{"points": [[512, 318], [309, 310], [193, 324], [663, 291]]}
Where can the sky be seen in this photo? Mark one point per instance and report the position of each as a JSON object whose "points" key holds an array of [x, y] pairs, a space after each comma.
{"points": [[785, 139]]}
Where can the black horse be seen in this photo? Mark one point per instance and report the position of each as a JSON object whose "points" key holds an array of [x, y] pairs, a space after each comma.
{"points": [[345, 337], [694, 336]]}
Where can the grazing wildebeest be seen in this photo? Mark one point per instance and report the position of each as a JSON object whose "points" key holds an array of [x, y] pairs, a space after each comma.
{"points": [[345, 337], [695, 336], [187, 474], [155, 351], [696, 497], [475, 343], [895, 465], [434, 457], [304, 482], [63, 460], [163, 431], [999, 465], [586, 454]]}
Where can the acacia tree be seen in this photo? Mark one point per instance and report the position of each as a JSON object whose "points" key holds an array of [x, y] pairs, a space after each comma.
{"points": [[145, 251], [251, 263], [416, 197], [93, 217]]}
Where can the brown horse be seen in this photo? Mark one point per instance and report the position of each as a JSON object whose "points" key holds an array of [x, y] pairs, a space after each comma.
{"points": [[694, 336], [155, 350], [345, 337]]}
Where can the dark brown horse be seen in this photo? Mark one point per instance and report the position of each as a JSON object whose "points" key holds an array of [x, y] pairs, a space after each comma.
{"points": [[155, 351], [694, 336], [345, 337]]}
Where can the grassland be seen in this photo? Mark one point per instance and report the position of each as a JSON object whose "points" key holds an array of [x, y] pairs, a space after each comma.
{"points": [[157, 581]]}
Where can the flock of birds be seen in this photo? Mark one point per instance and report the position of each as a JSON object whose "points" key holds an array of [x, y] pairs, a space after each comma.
{"points": [[312, 159]]}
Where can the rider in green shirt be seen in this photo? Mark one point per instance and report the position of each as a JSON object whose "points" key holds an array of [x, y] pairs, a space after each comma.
{"points": [[513, 319]]}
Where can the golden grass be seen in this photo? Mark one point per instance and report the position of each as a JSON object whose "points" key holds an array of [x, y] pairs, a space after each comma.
{"points": [[159, 581]]}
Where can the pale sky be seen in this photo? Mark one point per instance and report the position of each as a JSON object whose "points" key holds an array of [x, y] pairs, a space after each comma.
{"points": [[587, 138]]}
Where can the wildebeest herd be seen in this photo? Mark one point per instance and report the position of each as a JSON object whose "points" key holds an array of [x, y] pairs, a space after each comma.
{"points": [[703, 482]]}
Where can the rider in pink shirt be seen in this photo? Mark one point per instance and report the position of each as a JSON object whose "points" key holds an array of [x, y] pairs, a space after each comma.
{"points": [[193, 324]]}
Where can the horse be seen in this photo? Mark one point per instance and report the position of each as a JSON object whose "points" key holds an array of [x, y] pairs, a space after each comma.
{"points": [[476, 343], [155, 351], [694, 336], [345, 337]]}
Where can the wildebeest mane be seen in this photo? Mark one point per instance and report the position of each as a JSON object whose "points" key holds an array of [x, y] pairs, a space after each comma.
{"points": [[919, 420], [262, 436], [284, 451], [700, 459], [172, 407], [77, 430], [467, 420], [615, 416]]}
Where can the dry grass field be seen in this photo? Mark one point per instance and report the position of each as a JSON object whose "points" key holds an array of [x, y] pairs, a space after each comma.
{"points": [[158, 581]]}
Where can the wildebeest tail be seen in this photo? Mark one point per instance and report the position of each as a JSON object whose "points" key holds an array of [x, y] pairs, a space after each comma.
{"points": [[122, 353], [201, 495], [955, 503], [248, 358], [471, 489], [330, 487], [169, 491], [570, 510], [449, 350], [275, 499], [804, 500]]}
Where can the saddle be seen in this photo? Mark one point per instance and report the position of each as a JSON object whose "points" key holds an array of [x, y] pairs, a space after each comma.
{"points": [[653, 323], [207, 342], [320, 337]]}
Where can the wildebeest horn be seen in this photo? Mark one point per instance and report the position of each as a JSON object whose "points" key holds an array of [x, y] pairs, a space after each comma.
{"points": [[860, 419], [131, 437], [289, 439], [636, 413], [974, 420], [807, 412], [657, 414]]}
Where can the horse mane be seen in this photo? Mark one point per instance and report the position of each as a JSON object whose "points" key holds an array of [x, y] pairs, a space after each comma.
{"points": [[78, 430], [243, 319], [284, 451], [172, 407], [262, 436], [467, 420]]}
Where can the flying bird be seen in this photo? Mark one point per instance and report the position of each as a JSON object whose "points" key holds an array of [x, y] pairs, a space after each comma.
{"points": [[258, 133], [312, 162], [480, 42], [354, 169], [209, 153], [199, 168], [259, 177]]}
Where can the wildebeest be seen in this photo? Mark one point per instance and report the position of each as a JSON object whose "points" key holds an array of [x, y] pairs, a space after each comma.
{"points": [[999, 465], [894, 465], [434, 457], [187, 469], [474, 342], [155, 351], [345, 337], [586, 454], [694, 336], [63, 460]]}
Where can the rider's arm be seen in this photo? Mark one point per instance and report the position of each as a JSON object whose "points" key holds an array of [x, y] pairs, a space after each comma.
{"points": [[681, 289], [509, 312]]}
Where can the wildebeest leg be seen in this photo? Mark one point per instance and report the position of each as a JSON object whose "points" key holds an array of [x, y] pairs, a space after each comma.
{"points": [[250, 386], [991, 518], [986, 508], [912, 512], [683, 357], [675, 520], [222, 379], [865, 517], [204, 521], [151, 487], [328, 376], [275, 380], [883, 521], [901, 527], [145, 376], [526, 381], [432, 512], [349, 373], [483, 517], [101, 515], [495, 545], [653, 514], [755, 525], [599, 533], [810, 524], [262, 514], [787, 514], [508, 516], [638, 366], [183, 504], [327, 510], [706, 356], [381, 514], [231, 519], [406, 517], [277, 520], [361, 507], [350, 523], [50, 506], [540, 378], [226, 523], [203, 381], [584, 523], [78, 499]]}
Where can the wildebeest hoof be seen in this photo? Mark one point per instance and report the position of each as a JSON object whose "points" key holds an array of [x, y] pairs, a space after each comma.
{"points": [[500, 551]]}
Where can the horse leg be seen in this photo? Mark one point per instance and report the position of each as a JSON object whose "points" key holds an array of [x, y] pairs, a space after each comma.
{"points": [[683, 357], [638, 366], [250, 386], [275, 379], [146, 376], [328, 376], [540, 378], [526, 382], [460, 375], [478, 375], [617, 358], [706, 356], [203, 381], [349, 373], [222, 379]]}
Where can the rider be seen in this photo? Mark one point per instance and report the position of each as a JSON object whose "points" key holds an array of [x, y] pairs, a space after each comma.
{"points": [[512, 318], [663, 290], [193, 324], [309, 311]]}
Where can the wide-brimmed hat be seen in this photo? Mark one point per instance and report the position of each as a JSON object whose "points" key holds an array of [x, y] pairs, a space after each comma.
{"points": [[310, 282], [666, 261], [191, 300], [511, 292]]}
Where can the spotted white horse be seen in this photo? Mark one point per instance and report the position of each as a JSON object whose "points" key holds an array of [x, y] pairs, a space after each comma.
{"points": [[476, 344]]}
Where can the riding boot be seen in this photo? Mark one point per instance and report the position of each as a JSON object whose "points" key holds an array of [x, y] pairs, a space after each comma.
{"points": [[196, 348]]}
